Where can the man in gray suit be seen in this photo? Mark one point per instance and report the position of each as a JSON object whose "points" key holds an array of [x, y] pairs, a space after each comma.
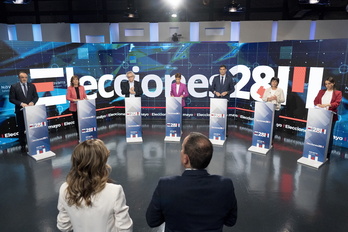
{"points": [[196, 200], [22, 94]]}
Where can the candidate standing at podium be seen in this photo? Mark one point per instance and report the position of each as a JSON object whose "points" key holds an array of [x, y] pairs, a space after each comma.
{"points": [[329, 99], [131, 88], [179, 89], [222, 86], [275, 95], [75, 93], [22, 94]]}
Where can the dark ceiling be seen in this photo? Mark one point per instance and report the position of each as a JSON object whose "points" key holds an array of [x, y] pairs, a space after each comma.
{"points": [[94, 11]]}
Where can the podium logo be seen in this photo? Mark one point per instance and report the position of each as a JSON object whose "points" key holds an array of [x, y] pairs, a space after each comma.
{"points": [[214, 115], [87, 130], [261, 134], [316, 130], [37, 125], [133, 113], [173, 124]]}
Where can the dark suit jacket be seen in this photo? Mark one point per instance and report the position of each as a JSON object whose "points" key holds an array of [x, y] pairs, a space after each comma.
{"points": [[227, 86], [17, 96], [137, 88], [195, 201]]}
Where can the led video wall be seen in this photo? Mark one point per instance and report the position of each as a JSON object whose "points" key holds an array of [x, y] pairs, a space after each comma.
{"points": [[300, 65]]}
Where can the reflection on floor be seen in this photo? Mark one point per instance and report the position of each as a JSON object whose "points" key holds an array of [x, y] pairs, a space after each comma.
{"points": [[274, 192]]}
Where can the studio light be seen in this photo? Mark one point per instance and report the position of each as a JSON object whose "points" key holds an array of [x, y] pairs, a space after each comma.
{"points": [[131, 12], [17, 2], [174, 15], [234, 7], [174, 3], [315, 2]]}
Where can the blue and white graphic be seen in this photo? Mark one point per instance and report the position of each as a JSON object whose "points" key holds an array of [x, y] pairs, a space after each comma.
{"points": [[87, 119], [133, 119], [317, 137], [173, 118], [263, 127], [218, 120], [35, 118]]}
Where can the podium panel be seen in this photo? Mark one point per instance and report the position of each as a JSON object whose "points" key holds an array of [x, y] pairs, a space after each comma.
{"points": [[173, 118], [263, 127], [87, 119], [218, 120], [35, 119], [317, 137], [133, 119]]}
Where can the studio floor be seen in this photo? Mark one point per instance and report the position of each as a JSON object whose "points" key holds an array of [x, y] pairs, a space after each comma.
{"points": [[274, 192]]}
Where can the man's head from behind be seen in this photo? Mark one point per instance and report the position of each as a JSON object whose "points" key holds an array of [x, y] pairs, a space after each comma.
{"points": [[197, 151]]}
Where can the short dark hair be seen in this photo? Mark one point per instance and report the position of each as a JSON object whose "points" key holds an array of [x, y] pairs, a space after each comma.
{"points": [[275, 79], [177, 75], [199, 150], [223, 66]]}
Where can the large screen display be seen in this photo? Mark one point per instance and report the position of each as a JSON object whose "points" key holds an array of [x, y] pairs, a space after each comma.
{"points": [[301, 66]]}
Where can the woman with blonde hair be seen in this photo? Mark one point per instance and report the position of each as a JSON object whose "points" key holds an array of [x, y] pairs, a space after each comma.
{"points": [[87, 201]]}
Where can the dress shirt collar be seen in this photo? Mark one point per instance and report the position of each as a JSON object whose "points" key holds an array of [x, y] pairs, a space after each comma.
{"points": [[196, 172]]}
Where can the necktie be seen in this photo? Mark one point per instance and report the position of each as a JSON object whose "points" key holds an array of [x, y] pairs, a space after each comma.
{"points": [[222, 80], [25, 89]]}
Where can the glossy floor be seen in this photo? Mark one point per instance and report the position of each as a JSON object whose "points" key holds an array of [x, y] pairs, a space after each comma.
{"points": [[274, 192]]}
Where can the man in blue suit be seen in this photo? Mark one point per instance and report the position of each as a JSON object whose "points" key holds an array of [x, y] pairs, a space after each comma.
{"points": [[223, 84], [22, 94], [196, 200]]}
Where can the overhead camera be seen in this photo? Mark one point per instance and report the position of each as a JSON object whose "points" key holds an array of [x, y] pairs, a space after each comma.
{"points": [[175, 37]]}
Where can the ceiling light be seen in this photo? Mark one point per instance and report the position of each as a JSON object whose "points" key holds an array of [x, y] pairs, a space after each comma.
{"points": [[174, 3], [234, 7], [131, 12], [18, 2], [174, 15], [315, 2]]}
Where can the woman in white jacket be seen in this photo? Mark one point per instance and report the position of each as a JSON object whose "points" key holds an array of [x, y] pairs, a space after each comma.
{"points": [[87, 201], [275, 95]]}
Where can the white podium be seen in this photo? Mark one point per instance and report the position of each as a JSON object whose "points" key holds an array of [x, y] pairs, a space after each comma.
{"points": [[35, 119], [218, 120], [318, 130], [87, 120], [263, 127], [173, 119], [133, 119]]}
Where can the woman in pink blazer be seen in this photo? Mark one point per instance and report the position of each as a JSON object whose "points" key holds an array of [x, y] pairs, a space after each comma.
{"points": [[329, 99], [179, 89], [75, 93]]}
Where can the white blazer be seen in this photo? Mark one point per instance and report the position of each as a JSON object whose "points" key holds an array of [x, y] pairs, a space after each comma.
{"points": [[108, 212], [280, 96]]}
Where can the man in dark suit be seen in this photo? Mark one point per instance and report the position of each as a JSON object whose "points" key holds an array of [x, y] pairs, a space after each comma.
{"points": [[131, 88], [223, 84], [195, 201], [22, 94]]}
